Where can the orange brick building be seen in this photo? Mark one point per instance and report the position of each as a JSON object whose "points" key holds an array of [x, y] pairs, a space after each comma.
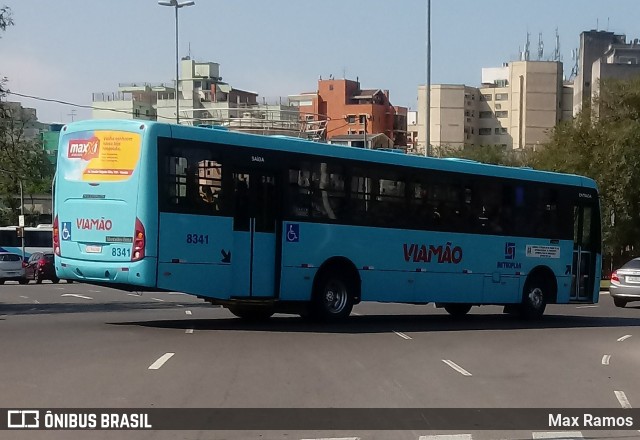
{"points": [[348, 109]]}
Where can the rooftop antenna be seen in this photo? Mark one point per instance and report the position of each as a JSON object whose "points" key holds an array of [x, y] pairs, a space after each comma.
{"points": [[556, 52], [524, 56], [540, 47], [575, 55], [72, 113], [344, 73], [189, 49]]}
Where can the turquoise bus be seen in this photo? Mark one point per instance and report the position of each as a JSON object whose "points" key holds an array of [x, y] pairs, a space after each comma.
{"points": [[36, 239], [266, 224]]}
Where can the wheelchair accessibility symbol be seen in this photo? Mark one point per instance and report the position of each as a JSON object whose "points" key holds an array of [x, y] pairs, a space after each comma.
{"points": [[293, 233], [65, 231]]}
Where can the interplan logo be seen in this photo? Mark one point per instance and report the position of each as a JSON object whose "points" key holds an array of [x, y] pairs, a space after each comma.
{"points": [[509, 251], [23, 418]]}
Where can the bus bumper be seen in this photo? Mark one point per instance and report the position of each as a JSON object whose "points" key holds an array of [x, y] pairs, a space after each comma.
{"points": [[138, 273]]}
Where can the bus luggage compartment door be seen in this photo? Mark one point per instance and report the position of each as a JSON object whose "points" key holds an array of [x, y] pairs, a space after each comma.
{"points": [[254, 234]]}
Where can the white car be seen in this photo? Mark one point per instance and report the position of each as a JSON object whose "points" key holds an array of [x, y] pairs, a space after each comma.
{"points": [[11, 268]]}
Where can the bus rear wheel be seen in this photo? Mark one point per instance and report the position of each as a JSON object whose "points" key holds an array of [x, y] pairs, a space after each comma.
{"points": [[333, 297], [252, 313], [534, 298], [457, 309]]}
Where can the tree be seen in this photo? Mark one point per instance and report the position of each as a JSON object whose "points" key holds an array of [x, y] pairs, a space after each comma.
{"points": [[22, 159], [5, 21], [491, 154], [606, 147]]}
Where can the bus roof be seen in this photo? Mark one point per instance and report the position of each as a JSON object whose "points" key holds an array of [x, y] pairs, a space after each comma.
{"points": [[298, 145]]}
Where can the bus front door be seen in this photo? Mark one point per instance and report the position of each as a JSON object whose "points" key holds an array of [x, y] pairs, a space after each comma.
{"points": [[584, 252], [254, 234]]}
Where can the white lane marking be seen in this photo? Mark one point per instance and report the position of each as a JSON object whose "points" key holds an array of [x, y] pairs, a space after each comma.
{"points": [[161, 360], [189, 331], [564, 435], [179, 305], [623, 338], [132, 294], [25, 297], [446, 437], [36, 301], [94, 291], [188, 312], [402, 335], [76, 295], [605, 359], [157, 299], [583, 307], [456, 367], [358, 314], [333, 438], [622, 398], [59, 288], [176, 293], [605, 292]]}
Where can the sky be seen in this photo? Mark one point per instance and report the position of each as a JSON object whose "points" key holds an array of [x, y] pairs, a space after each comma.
{"points": [[68, 49]]}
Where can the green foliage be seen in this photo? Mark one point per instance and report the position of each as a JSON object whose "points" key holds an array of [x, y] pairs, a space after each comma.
{"points": [[5, 18], [603, 143], [22, 159], [491, 154], [5, 22]]}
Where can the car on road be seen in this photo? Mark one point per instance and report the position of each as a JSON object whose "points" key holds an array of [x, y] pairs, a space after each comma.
{"points": [[625, 283], [11, 268], [40, 267]]}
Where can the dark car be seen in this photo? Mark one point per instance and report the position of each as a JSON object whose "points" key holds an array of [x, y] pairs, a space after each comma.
{"points": [[625, 283], [40, 267]]}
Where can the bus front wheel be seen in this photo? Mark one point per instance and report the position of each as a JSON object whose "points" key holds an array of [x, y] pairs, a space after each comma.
{"points": [[534, 299], [457, 309], [252, 313], [333, 298]]}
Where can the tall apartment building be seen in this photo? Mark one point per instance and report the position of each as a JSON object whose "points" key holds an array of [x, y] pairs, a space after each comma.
{"points": [[603, 55], [516, 106], [203, 99], [349, 110]]}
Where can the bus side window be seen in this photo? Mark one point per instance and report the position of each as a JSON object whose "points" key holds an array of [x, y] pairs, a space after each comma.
{"points": [[298, 193], [176, 179]]}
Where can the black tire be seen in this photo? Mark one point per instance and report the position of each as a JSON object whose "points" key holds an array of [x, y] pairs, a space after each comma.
{"points": [[55, 280], [619, 302], [23, 281], [457, 310], [1, 281], [69, 281], [252, 313], [534, 298], [333, 297], [37, 278]]}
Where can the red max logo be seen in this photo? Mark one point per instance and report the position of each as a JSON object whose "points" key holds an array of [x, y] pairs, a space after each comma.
{"points": [[85, 149]]}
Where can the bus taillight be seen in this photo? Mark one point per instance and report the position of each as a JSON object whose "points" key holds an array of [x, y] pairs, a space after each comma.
{"points": [[139, 240], [56, 236]]}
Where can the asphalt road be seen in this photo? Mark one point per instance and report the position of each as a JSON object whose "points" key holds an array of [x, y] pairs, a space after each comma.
{"points": [[82, 346]]}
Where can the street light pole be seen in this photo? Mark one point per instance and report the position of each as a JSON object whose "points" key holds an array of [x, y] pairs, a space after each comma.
{"points": [[427, 123], [176, 5], [22, 214]]}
